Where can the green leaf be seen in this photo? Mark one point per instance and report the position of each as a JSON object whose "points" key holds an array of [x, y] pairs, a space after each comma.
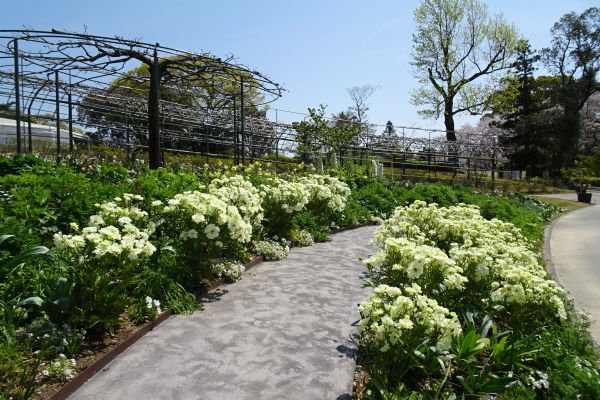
{"points": [[497, 385], [31, 301], [5, 237], [486, 324], [18, 259]]}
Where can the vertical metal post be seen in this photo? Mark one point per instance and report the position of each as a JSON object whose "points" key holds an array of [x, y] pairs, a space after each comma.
{"points": [[17, 96], [403, 154], [127, 148], [236, 158], [468, 161], [56, 90], [69, 99], [153, 115], [276, 136], [242, 120], [208, 127], [429, 155], [29, 136], [493, 158]]}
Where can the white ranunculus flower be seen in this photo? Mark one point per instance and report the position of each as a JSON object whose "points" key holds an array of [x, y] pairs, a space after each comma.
{"points": [[211, 231]]}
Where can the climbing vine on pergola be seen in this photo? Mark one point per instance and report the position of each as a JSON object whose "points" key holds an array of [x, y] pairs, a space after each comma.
{"points": [[82, 63]]}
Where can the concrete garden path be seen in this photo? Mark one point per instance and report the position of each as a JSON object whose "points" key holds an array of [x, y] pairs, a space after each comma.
{"points": [[574, 245], [285, 331]]}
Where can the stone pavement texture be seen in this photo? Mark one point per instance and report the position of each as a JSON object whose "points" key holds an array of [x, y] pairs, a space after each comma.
{"points": [[285, 331], [574, 245]]}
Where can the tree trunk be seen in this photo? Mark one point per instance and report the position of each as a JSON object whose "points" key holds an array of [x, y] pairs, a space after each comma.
{"points": [[450, 136], [449, 123], [153, 116]]}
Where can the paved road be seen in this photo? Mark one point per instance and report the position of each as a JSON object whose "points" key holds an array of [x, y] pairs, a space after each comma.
{"points": [[285, 331], [575, 253], [572, 196]]}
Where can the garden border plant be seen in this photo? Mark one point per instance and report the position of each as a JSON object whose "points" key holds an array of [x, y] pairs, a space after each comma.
{"points": [[492, 280], [132, 244], [172, 271]]}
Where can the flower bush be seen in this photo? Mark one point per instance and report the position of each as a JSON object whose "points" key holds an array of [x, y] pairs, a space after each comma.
{"points": [[302, 237], [230, 270], [322, 195], [282, 199], [488, 261], [403, 319], [201, 227], [107, 253], [118, 234], [237, 191], [488, 273], [327, 194], [62, 369], [271, 250]]}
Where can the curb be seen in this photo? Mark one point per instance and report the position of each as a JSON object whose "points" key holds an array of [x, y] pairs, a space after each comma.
{"points": [[90, 371], [547, 253]]}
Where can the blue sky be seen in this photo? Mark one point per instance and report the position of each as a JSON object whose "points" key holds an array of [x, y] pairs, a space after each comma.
{"points": [[316, 49]]}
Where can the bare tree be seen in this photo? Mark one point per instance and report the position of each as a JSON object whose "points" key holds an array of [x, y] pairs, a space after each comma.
{"points": [[359, 108], [360, 95]]}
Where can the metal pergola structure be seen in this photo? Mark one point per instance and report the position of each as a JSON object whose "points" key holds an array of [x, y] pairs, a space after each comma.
{"points": [[96, 82], [143, 97]]}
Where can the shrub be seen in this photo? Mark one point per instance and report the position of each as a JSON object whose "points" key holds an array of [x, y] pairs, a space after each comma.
{"points": [[398, 323], [302, 238], [106, 255], [271, 250], [240, 193], [460, 257], [200, 228], [230, 270]]}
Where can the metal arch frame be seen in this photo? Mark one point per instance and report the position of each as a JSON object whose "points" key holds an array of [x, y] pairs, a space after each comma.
{"points": [[92, 58]]}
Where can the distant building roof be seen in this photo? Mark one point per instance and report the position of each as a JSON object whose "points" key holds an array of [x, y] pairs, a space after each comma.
{"points": [[8, 131]]}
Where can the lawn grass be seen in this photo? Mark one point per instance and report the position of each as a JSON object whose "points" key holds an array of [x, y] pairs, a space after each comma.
{"points": [[567, 205]]}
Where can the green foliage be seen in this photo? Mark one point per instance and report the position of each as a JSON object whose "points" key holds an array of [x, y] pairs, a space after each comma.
{"points": [[13, 165], [162, 184], [58, 303], [154, 282], [49, 200], [317, 135], [452, 57], [93, 294], [307, 221]]}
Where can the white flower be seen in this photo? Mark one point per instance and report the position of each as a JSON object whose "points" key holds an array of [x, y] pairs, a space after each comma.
{"points": [[198, 218], [124, 220], [211, 231], [415, 269]]}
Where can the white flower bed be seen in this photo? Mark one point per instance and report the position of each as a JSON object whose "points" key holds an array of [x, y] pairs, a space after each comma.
{"points": [[237, 191], [205, 213], [453, 255], [120, 230], [395, 318], [271, 250], [204, 226]]}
